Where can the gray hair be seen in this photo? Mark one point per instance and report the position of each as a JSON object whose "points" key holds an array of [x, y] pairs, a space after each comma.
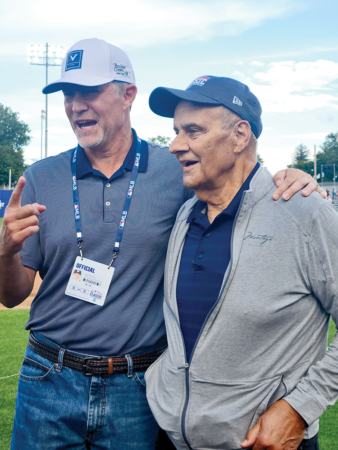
{"points": [[119, 86], [229, 119]]}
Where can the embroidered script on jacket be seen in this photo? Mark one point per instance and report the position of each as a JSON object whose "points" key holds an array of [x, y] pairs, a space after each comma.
{"points": [[258, 240]]}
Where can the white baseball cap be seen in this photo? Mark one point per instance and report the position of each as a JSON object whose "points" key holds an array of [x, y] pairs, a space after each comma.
{"points": [[92, 62]]}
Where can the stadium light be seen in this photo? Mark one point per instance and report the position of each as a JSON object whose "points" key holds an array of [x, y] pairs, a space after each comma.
{"points": [[45, 55], [43, 117]]}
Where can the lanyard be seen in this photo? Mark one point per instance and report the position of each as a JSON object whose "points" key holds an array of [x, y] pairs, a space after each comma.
{"points": [[126, 206]]}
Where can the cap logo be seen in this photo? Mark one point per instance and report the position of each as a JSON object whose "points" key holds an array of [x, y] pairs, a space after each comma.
{"points": [[200, 81], [74, 60], [237, 101], [120, 69]]}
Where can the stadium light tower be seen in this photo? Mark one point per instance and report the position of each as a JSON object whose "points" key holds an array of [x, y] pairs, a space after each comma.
{"points": [[45, 55]]}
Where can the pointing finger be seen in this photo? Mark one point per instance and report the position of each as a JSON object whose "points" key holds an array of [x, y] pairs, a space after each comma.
{"points": [[15, 200]]}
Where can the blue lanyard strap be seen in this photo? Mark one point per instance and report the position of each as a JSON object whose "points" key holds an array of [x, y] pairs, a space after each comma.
{"points": [[78, 223], [126, 206]]}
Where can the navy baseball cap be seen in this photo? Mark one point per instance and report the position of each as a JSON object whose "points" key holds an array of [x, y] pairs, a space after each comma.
{"points": [[211, 91]]}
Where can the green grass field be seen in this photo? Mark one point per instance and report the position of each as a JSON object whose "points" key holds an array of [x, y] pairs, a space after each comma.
{"points": [[13, 338], [0, 221]]}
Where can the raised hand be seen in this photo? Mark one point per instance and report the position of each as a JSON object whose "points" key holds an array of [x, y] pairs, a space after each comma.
{"points": [[19, 222]]}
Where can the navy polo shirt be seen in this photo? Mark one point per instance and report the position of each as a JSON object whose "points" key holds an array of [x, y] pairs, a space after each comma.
{"points": [[205, 258], [84, 167], [131, 319]]}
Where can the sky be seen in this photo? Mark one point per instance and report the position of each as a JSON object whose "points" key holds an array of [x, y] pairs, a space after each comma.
{"points": [[285, 51]]}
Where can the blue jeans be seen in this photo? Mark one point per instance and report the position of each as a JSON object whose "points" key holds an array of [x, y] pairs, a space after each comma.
{"points": [[61, 408]]}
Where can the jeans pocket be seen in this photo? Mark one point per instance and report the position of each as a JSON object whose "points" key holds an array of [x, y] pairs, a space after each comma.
{"points": [[139, 378], [36, 370]]}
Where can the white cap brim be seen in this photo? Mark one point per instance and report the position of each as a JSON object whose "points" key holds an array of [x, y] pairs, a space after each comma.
{"points": [[62, 83]]}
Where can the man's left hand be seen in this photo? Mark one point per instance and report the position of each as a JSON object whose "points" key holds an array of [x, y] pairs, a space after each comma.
{"points": [[279, 428], [290, 181]]}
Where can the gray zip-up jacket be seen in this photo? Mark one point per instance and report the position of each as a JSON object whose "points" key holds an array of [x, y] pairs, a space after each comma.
{"points": [[266, 336]]}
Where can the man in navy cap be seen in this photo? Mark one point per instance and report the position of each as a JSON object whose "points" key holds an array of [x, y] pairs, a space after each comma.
{"points": [[105, 208], [249, 287]]}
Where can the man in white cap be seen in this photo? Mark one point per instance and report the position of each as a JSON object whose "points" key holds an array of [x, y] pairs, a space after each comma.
{"points": [[107, 208]]}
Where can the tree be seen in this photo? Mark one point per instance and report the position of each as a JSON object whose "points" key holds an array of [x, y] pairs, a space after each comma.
{"points": [[14, 135], [161, 140], [305, 166], [301, 159], [301, 153], [260, 159], [328, 156]]}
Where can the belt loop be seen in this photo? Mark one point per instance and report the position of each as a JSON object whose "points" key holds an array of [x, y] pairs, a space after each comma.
{"points": [[130, 365], [59, 364]]}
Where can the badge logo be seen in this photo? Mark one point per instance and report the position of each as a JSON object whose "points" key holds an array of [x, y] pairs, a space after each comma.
{"points": [[74, 60], [120, 69], [137, 159], [123, 219], [130, 189], [77, 211], [200, 81], [237, 101], [74, 183]]}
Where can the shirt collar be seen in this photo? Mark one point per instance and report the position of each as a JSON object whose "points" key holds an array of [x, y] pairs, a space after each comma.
{"points": [[84, 167], [199, 209]]}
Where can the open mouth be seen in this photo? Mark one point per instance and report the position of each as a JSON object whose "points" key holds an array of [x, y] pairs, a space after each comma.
{"points": [[84, 124], [189, 163]]}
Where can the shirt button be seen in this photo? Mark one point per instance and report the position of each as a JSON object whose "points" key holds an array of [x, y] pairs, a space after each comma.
{"points": [[207, 235], [108, 185], [107, 203], [200, 255]]}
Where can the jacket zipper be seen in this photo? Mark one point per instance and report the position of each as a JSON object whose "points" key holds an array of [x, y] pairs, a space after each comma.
{"points": [[187, 366]]}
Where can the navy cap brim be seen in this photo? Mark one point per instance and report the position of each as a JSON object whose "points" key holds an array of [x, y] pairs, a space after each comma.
{"points": [[163, 101]]}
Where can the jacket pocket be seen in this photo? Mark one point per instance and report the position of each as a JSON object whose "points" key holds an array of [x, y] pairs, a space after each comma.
{"points": [[277, 392], [166, 394], [221, 413]]}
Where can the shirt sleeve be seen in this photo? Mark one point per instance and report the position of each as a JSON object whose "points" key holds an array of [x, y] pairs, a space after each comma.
{"points": [[319, 387], [31, 255]]}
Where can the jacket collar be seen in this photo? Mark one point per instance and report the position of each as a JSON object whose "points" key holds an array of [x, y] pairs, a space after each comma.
{"points": [[260, 185]]}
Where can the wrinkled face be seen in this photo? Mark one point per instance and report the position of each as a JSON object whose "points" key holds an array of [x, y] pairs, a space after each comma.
{"points": [[95, 113], [202, 146]]}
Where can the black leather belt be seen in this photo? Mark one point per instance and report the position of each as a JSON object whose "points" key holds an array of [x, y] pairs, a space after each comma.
{"points": [[93, 366]]}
